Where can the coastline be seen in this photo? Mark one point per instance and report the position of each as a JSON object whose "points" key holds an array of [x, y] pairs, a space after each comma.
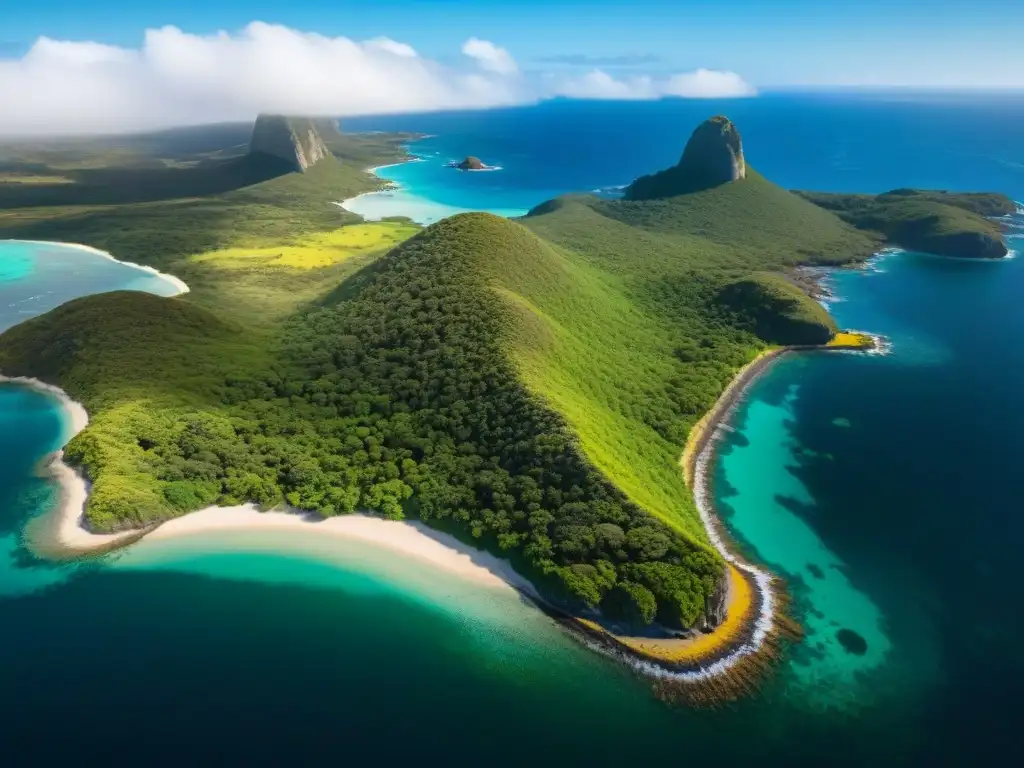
{"points": [[59, 535], [375, 205], [412, 539], [177, 282]]}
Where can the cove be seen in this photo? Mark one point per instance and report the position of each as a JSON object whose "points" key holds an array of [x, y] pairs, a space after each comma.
{"points": [[36, 277]]}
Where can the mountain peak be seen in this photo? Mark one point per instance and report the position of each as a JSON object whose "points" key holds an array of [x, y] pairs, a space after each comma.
{"points": [[296, 140], [713, 156]]}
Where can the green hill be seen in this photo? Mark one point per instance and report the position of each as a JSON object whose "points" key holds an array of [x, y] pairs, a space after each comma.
{"points": [[776, 310], [942, 223]]}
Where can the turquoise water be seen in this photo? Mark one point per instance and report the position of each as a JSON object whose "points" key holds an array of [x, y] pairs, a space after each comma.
{"points": [[32, 426], [896, 477], [36, 277]]}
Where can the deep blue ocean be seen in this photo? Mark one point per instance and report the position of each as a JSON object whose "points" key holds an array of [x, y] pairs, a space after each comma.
{"points": [[885, 488]]}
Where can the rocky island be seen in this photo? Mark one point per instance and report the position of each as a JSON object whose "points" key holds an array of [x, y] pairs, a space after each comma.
{"points": [[471, 164]]}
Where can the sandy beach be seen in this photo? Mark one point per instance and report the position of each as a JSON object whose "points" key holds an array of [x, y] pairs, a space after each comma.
{"points": [[407, 538], [178, 283]]}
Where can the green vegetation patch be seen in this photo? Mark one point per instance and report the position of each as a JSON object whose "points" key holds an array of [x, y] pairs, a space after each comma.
{"points": [[776, 310], [943, 223]]}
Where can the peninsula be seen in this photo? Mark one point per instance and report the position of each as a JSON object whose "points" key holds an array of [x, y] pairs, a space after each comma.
{"points": [[527, 386]]}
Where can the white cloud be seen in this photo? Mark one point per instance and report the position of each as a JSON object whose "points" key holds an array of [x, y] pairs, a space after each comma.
{"points": [[179, 78], [700, 84], [489, 56], [598, 84], [708, 84], [392, 46], [176, 78]]}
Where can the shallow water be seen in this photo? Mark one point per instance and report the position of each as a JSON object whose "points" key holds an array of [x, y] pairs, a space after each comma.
{"points": [[37, 277]]}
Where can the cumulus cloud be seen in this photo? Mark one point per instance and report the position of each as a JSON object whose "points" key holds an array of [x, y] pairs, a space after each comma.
{"points": [[699, 84], [708, 84], [489, 56], [177, 78]]}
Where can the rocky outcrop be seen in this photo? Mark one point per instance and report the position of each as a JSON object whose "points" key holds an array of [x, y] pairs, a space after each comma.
{"points": [[713, 156], [295, 140], [716, 604], [470, 164], [714, 153]]}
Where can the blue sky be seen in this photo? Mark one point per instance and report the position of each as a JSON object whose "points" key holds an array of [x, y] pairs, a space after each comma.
{"points": [[119, 65], [786, 42]]}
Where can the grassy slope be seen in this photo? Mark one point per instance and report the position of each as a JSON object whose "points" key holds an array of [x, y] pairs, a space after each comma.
{"points": [[936, 222], [625, 338]]}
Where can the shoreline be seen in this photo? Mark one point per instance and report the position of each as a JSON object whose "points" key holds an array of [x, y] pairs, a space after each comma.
{"points": [[421, 210], [410, 538], [177, 282], [725, 661], [60, 535]]}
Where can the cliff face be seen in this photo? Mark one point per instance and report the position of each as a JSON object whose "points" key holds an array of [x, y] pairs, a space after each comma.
{"points": [[295, 140], [714, 153], [713, 156]]}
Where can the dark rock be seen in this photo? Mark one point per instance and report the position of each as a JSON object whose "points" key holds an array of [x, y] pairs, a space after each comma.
{"points": [[713, 156], [852, 642], [470, 164], [715, 605]]}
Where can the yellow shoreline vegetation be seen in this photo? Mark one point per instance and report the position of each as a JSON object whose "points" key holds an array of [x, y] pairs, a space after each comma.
{"points": [[851, 340]]}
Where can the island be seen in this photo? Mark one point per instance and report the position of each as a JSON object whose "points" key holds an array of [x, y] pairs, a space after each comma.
{"points": [[527, 386], [471, 164]]}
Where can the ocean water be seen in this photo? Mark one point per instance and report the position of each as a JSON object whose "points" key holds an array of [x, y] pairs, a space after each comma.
{"points": [[848, 143], [36, 277], [885, 488]]}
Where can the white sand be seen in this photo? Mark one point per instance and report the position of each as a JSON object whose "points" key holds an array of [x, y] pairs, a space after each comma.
{"points": [[176, 282], [405, 538]]}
